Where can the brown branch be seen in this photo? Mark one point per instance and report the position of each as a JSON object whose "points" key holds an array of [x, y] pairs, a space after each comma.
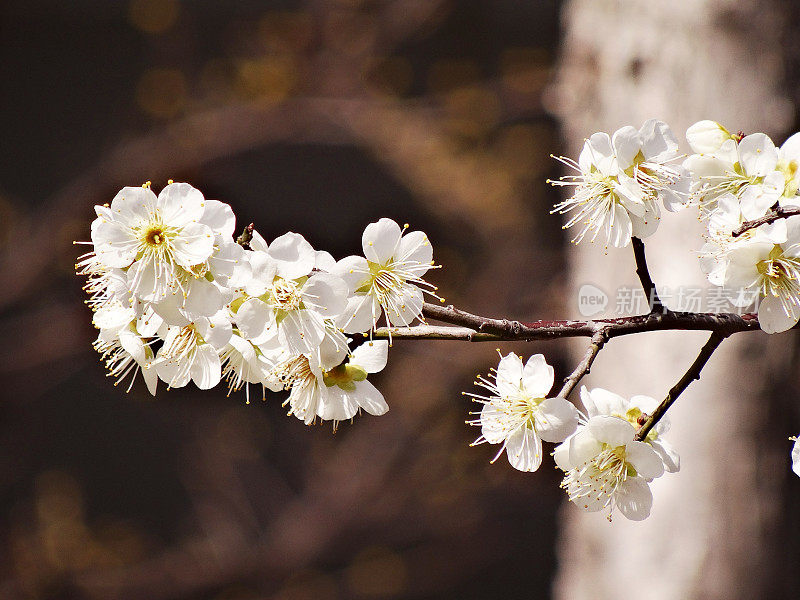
{"points": [[598, 341], [656, 306], [773, 215], [691, 374], [490, 329]]}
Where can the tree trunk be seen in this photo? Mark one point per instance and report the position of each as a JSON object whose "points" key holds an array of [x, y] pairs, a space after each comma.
{"points": [[624, 62]]}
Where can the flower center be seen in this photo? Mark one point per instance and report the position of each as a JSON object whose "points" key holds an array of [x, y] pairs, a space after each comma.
{"points": [[286, 295], [597, 480], [296, 370], [154, 236]]}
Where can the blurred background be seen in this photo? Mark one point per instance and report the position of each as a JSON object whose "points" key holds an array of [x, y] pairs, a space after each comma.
{"points": [[317, 117]]}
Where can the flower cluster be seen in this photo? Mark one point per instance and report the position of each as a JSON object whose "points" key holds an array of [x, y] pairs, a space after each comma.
{"points": [[739, 178], [605, 466], [622, 181], [175, 297]]}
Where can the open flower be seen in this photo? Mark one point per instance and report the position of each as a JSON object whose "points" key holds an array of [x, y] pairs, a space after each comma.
{"points": [[388, 280], [606, 468], [154, 238], [191, 352], [602, 402], [517, 413], [620, 182]]}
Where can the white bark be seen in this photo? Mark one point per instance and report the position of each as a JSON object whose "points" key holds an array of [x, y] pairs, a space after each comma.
{"points": [[624, 62]]}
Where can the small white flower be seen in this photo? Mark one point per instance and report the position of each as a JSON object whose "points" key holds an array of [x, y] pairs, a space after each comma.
{"points": [[191, 352], [348, 388], [154, 238], [606, 468], [125, 351], [603, 402], [284, 294], [620, 182], [760, 266], [518, 413], [242, 364], [389, 278]]}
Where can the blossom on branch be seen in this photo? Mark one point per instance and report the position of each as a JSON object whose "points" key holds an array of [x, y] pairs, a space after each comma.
{"points": [[622, 181], [518, 413]]}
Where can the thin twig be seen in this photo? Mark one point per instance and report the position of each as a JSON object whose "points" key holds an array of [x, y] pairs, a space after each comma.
{"points": [[773, 215], [691, 374], [598, 341], [656, 306]]}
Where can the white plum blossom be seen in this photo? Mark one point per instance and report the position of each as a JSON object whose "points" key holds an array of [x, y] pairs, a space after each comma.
{"points": [[348, 388], [518, 414], [154, 238], [191, 352], [603, 402], [124, 351], [388, 278], [607, 469], [750, 167], [622, 181]]}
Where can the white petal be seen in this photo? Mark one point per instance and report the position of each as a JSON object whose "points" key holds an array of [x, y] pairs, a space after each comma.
{"points": [[370, 398], [301, 331], [326, 294], [659, 144], [324, 261], [796, 458], [537, 376], [582, 447], [371, 356], [757, 154], [706, 136], [114, 244], [193, 245], [404, 305], [668, 455], [644, 459], [206, 371], [133, 205], [220, 218], [263, 270], [494, 423], [215, 330], [381, 240], [627, 145], [253, 317], [354, 270], [634, 499], [524, 449], [509, 374], [180, 204], [645, 225], [258, 243], [613, 431], [557, 421], [599, 152], [602, 402], [415, 247], [293, 255], [203, 298], [360, 314], [773, 318], [618, 228]]}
